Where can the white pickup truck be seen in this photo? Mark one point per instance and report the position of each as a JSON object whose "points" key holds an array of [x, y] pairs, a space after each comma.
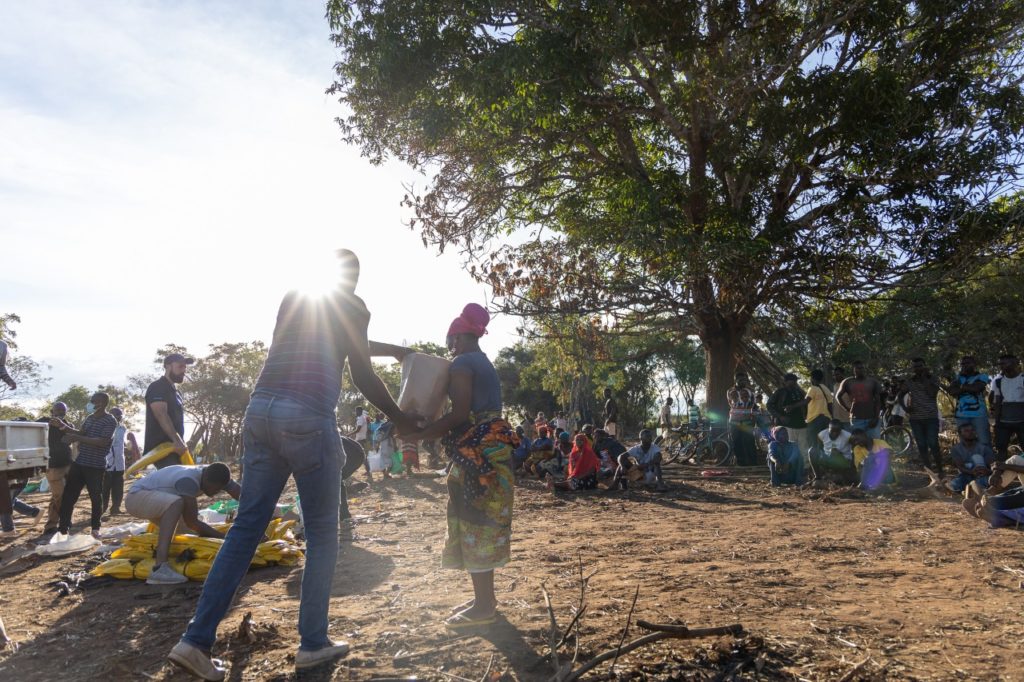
{"points": [[23, 448]]}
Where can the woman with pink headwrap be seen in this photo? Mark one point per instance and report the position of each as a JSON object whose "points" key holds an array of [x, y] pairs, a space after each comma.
{"points": [[480, 484]]}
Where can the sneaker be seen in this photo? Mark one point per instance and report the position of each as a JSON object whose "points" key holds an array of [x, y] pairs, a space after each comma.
{"points": [[165, 575], [309, 659], [196, 662]]}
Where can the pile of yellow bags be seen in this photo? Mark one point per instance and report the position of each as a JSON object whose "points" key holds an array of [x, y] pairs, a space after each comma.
{"points": [[192, 555]]}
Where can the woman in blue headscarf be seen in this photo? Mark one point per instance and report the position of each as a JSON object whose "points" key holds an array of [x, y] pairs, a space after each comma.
{"points": [[784, 460]]}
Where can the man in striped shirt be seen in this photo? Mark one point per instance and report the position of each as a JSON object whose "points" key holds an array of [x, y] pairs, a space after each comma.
{"points": [[290, 430], [94, 440]]}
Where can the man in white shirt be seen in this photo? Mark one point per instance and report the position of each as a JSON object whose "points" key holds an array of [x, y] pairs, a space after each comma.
{"points": [[665, 418], [1008, 404], [832, 457], [113, 477], [167, 496], [646, 457]]}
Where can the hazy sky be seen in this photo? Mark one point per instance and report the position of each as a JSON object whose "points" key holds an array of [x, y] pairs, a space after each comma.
{"points": [[169, 169]]}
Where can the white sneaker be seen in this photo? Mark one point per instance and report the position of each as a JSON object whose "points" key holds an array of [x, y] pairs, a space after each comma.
{"points": [[196, 662], [309, 659], [165, 575]]}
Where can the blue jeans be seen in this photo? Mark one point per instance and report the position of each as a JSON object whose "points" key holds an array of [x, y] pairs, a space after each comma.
{"points": [[873, 432], [22, 508], [980, 426], [926, 435], [960, 483], [281, 438]]}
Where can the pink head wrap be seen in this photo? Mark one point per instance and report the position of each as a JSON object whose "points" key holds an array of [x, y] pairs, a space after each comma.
{"points": [[473, 320]]}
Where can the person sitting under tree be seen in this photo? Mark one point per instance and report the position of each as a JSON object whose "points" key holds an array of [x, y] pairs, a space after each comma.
{"points": [[785, 463], [873, 458], [541, 451], [582, 469], [972, 459], [608, 450], [645, 458], [832, 457]]}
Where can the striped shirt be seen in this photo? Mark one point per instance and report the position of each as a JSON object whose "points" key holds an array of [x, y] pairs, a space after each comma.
{"points": [[312, 339], [96, 426]]}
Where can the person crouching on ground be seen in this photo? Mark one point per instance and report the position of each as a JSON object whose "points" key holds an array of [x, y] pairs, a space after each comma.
{"points": [[785, 463], [832, 457], [972, 458], [582, 469], [646, 458], [873, 458], [168, 496]]}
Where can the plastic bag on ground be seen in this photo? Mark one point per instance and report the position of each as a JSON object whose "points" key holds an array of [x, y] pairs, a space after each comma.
{"points": [[212, 516], [124, 530], [61, 544]]}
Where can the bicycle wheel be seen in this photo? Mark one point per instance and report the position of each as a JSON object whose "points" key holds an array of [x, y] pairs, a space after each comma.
{"points": [[712, 452], [898, 437], [672, 448]]}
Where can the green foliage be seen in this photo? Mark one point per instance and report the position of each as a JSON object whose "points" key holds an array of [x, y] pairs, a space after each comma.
{"points": [[697, 162], [522, 376], [76, 397], [937, 316]]}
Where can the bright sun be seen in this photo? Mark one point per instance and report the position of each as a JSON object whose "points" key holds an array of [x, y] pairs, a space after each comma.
{"points": [[315, 273]]}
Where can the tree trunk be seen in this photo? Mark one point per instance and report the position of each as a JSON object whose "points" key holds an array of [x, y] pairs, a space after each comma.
{"points": [[721, 346]]}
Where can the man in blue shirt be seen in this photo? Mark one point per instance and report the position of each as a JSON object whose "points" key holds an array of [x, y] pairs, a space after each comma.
{"points": [[969, 390]]}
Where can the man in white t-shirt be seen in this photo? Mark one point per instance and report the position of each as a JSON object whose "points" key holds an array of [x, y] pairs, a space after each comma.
{"points": [[832, 457], [665, 418], [646, 458], [167, 496], [1008, 404]]}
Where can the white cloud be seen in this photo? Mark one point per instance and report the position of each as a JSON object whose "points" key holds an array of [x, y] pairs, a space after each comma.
{"points": [[166, 172]]}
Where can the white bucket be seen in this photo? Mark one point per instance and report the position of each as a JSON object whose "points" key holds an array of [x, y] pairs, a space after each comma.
{"points": [[424, 385]]}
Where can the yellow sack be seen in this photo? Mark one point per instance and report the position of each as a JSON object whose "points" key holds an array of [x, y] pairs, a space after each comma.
{"points": [[157, 454]]}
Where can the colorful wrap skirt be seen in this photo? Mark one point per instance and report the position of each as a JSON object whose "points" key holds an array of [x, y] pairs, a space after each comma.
{"points": [[480, 495]]}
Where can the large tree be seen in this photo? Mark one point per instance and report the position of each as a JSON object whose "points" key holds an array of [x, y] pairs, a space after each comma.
{"points": [[692, 162]]}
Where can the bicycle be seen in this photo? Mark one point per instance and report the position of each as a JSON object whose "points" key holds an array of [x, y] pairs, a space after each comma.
{"points": [[700, 444], [898, 436]]}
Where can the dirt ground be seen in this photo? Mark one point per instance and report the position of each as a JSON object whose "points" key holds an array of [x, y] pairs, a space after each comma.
{"points": [[828, 586]]}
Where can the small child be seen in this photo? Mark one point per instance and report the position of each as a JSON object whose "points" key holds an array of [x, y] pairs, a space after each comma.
{"points": [[410, 456]]}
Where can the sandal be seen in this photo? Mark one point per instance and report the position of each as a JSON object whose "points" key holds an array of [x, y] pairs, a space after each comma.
{"points": [[460, 621], [463, 606]]}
